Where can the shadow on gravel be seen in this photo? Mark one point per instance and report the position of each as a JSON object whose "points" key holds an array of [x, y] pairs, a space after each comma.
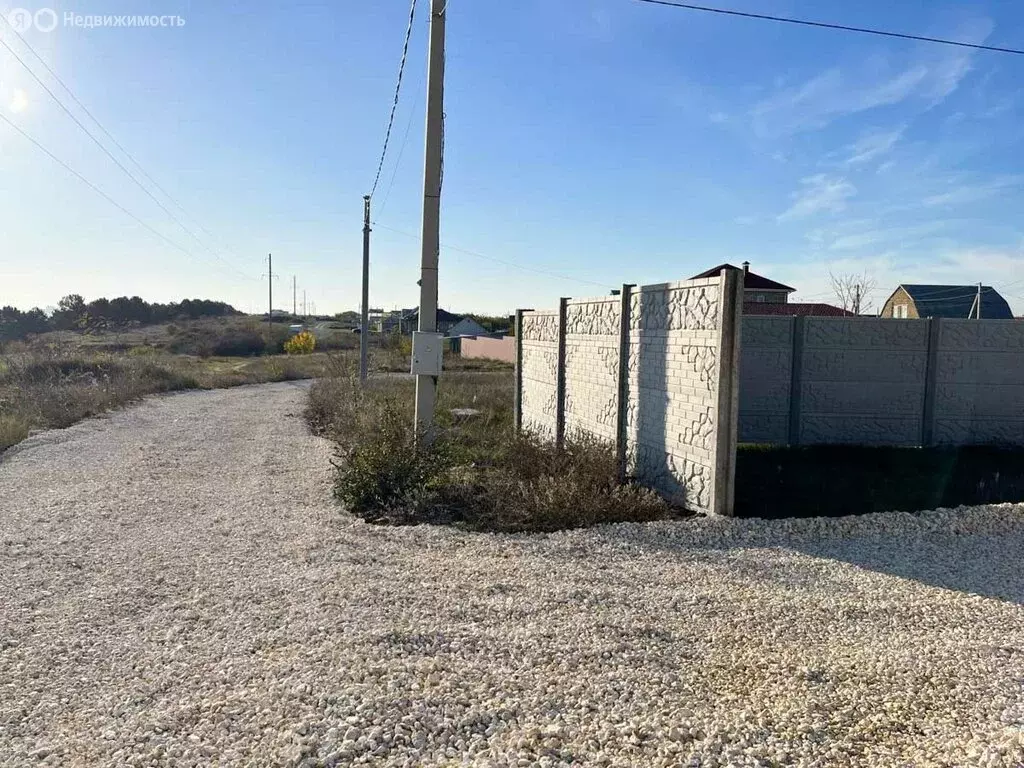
{"points": [[987, 562], [989, 565]]}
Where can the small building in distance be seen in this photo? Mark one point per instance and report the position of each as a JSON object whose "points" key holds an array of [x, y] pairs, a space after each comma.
{"points": [[959, 301], [410, 321], [467, 326], [757, 289]]}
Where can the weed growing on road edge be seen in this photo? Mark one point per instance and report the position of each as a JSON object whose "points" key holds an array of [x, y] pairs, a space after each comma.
{"points": [[477, 473]]}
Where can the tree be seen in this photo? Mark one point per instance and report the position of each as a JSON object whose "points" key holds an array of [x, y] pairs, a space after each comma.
{"points": [[70, 312], [854, 291]]}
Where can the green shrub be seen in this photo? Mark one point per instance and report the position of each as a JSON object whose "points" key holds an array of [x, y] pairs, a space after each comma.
{"points": [[392, 475], [241, 343]]}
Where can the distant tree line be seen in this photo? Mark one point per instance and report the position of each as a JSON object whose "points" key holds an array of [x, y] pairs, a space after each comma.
{"points": [[74, 313]]}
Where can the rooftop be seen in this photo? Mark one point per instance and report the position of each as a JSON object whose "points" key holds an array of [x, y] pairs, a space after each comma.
{"points": [[752, 281], [957, 301]]}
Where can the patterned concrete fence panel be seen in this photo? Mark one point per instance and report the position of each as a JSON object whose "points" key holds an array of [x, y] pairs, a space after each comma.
{"points": [[592, 366], [979, 382], [662, 382], [879, 381], [538, 373]]}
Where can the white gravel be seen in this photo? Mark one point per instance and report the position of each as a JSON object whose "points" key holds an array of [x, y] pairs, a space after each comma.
{"points": [[176, 588]]}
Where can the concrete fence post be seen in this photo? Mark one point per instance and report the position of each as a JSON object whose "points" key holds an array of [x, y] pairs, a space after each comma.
{"points": [[517, 407], [727, 438], [930, 382], [563, 305], [622, 394], [796, 379]]}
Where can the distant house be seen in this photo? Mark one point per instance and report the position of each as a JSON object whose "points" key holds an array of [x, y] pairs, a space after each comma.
{"points": [[916, 301], [391, 322], [757, 289], [795, 310], [467, 326], [408, 320]]}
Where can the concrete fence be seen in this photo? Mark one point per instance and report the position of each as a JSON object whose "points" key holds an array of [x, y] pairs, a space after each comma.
{"points": [[654, 371], [879, 381]]}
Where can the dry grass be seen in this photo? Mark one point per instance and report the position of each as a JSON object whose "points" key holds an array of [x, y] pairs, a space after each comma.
{"points": [[48, 387], [477, 473]]}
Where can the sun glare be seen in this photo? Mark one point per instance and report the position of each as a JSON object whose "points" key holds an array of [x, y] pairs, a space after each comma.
{"points": [[19, 101]]}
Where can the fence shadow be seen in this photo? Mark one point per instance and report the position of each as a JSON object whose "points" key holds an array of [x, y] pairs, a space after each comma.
{"points": [[989, 564], [972, 555]]}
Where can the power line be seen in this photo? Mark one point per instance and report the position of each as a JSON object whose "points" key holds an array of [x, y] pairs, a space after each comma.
{"points": [[94, 188], [104, 149], [950, 292], [825, 25], [107, 133], [398, 90], [496, 260], [398, 160]]}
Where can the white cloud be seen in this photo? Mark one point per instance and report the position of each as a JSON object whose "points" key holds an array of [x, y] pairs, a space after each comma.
{"points": [[831, 95], [894, 236], [966, 194], [873, 145], [928, 79], [819, 193]]}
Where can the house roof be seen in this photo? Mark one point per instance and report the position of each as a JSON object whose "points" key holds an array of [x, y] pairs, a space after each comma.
{"points": [[957, 301], [753, 280], [467, 326], [441, 315], [792, 310]]}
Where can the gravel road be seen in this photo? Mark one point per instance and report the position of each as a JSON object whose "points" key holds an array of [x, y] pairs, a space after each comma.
{"points": [[177, 588]]}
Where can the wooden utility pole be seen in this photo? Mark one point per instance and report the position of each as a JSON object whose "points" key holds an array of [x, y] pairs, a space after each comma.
{"points": [[364, 325], [426, 385]]}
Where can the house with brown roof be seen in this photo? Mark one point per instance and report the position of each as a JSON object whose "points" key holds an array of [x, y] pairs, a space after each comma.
{"points": [[757, 289], [763, 296]]}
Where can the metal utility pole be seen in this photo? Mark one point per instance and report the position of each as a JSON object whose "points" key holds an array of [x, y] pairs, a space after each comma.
{"points": [[294, 296], [975, 311], [364, 327], [426, 385]]}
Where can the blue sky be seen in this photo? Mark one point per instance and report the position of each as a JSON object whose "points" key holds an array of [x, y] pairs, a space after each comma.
{"points": [[588, 143]]}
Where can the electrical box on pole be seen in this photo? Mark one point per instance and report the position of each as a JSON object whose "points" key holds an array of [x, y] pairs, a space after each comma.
{"points": [[427, 352]]}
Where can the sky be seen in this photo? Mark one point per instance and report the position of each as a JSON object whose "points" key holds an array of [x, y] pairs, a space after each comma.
{"points": [[588, 143]]}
